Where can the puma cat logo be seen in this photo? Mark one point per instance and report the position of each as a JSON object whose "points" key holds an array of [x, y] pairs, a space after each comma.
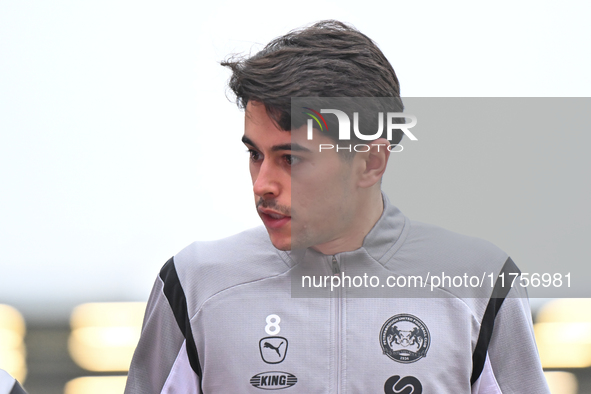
{"points": [[269, 346], [273, 349]]}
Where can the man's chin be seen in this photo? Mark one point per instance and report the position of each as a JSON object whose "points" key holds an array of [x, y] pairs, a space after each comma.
{"points": [[281, 245], [284, 248], [287, 244], [280, 242]]}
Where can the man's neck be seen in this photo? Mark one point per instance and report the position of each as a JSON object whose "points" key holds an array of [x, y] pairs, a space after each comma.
{"points": [[353, 237]]}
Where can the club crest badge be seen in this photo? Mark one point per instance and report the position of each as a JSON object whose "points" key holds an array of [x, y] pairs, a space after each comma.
{"points": [[405, 338], [273, 349]]}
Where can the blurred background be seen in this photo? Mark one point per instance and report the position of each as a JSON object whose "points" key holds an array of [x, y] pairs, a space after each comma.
{"points": [[119, 146]]}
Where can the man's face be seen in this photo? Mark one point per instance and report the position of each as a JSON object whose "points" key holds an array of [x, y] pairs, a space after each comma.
{"points": [[304, 197]]}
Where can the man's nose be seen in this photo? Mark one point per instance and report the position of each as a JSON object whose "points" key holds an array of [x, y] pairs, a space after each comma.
{"points": [[267, 183]]}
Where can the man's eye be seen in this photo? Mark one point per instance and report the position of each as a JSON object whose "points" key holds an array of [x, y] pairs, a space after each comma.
{"points": [[254, 155], [292, 160]]}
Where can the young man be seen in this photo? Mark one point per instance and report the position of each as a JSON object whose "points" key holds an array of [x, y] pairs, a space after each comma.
{"points": [[223, 318]]}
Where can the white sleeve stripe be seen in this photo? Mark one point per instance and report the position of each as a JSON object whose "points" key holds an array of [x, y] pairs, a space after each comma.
{"points": [[487, 383], [182, 378]]}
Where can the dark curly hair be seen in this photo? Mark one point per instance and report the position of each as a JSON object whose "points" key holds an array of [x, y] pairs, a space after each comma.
{"points": [[327, 59]]}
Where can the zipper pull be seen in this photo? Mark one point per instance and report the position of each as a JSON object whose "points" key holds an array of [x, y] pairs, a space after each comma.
{"points": [[335, 266]]}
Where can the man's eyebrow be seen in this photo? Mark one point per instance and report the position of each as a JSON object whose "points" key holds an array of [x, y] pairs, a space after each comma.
{"points": [[292, 147], [248, 141], [276, 148]]}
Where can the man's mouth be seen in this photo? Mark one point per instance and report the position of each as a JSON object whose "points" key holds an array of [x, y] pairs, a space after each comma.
{"points": [[273, 219]]}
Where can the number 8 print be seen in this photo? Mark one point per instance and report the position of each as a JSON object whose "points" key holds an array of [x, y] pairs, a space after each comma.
{"points": [[272, 327]]}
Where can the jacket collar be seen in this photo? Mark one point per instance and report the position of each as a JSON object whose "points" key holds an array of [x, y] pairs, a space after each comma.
{"points": [[382, 241], [387, 234]]}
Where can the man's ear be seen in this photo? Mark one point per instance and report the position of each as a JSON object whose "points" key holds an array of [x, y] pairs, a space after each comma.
{"points": [[373, 162]]}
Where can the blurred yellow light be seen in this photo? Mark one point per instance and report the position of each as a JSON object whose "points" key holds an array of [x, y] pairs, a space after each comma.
{"points": [[566, 310], [104, 335], [564, 345], [563, 333], [96, 385], [108, 314], [12, 347], [9, 339], [103, 348], [562, 382], [108, 336], [13, 362], [12, 320]]}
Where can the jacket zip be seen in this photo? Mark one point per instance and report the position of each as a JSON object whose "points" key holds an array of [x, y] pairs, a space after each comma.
{"points": [[336, 270]]}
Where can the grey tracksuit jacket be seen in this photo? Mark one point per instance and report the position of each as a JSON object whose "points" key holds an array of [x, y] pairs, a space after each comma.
{"points": [[239, 316]]}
